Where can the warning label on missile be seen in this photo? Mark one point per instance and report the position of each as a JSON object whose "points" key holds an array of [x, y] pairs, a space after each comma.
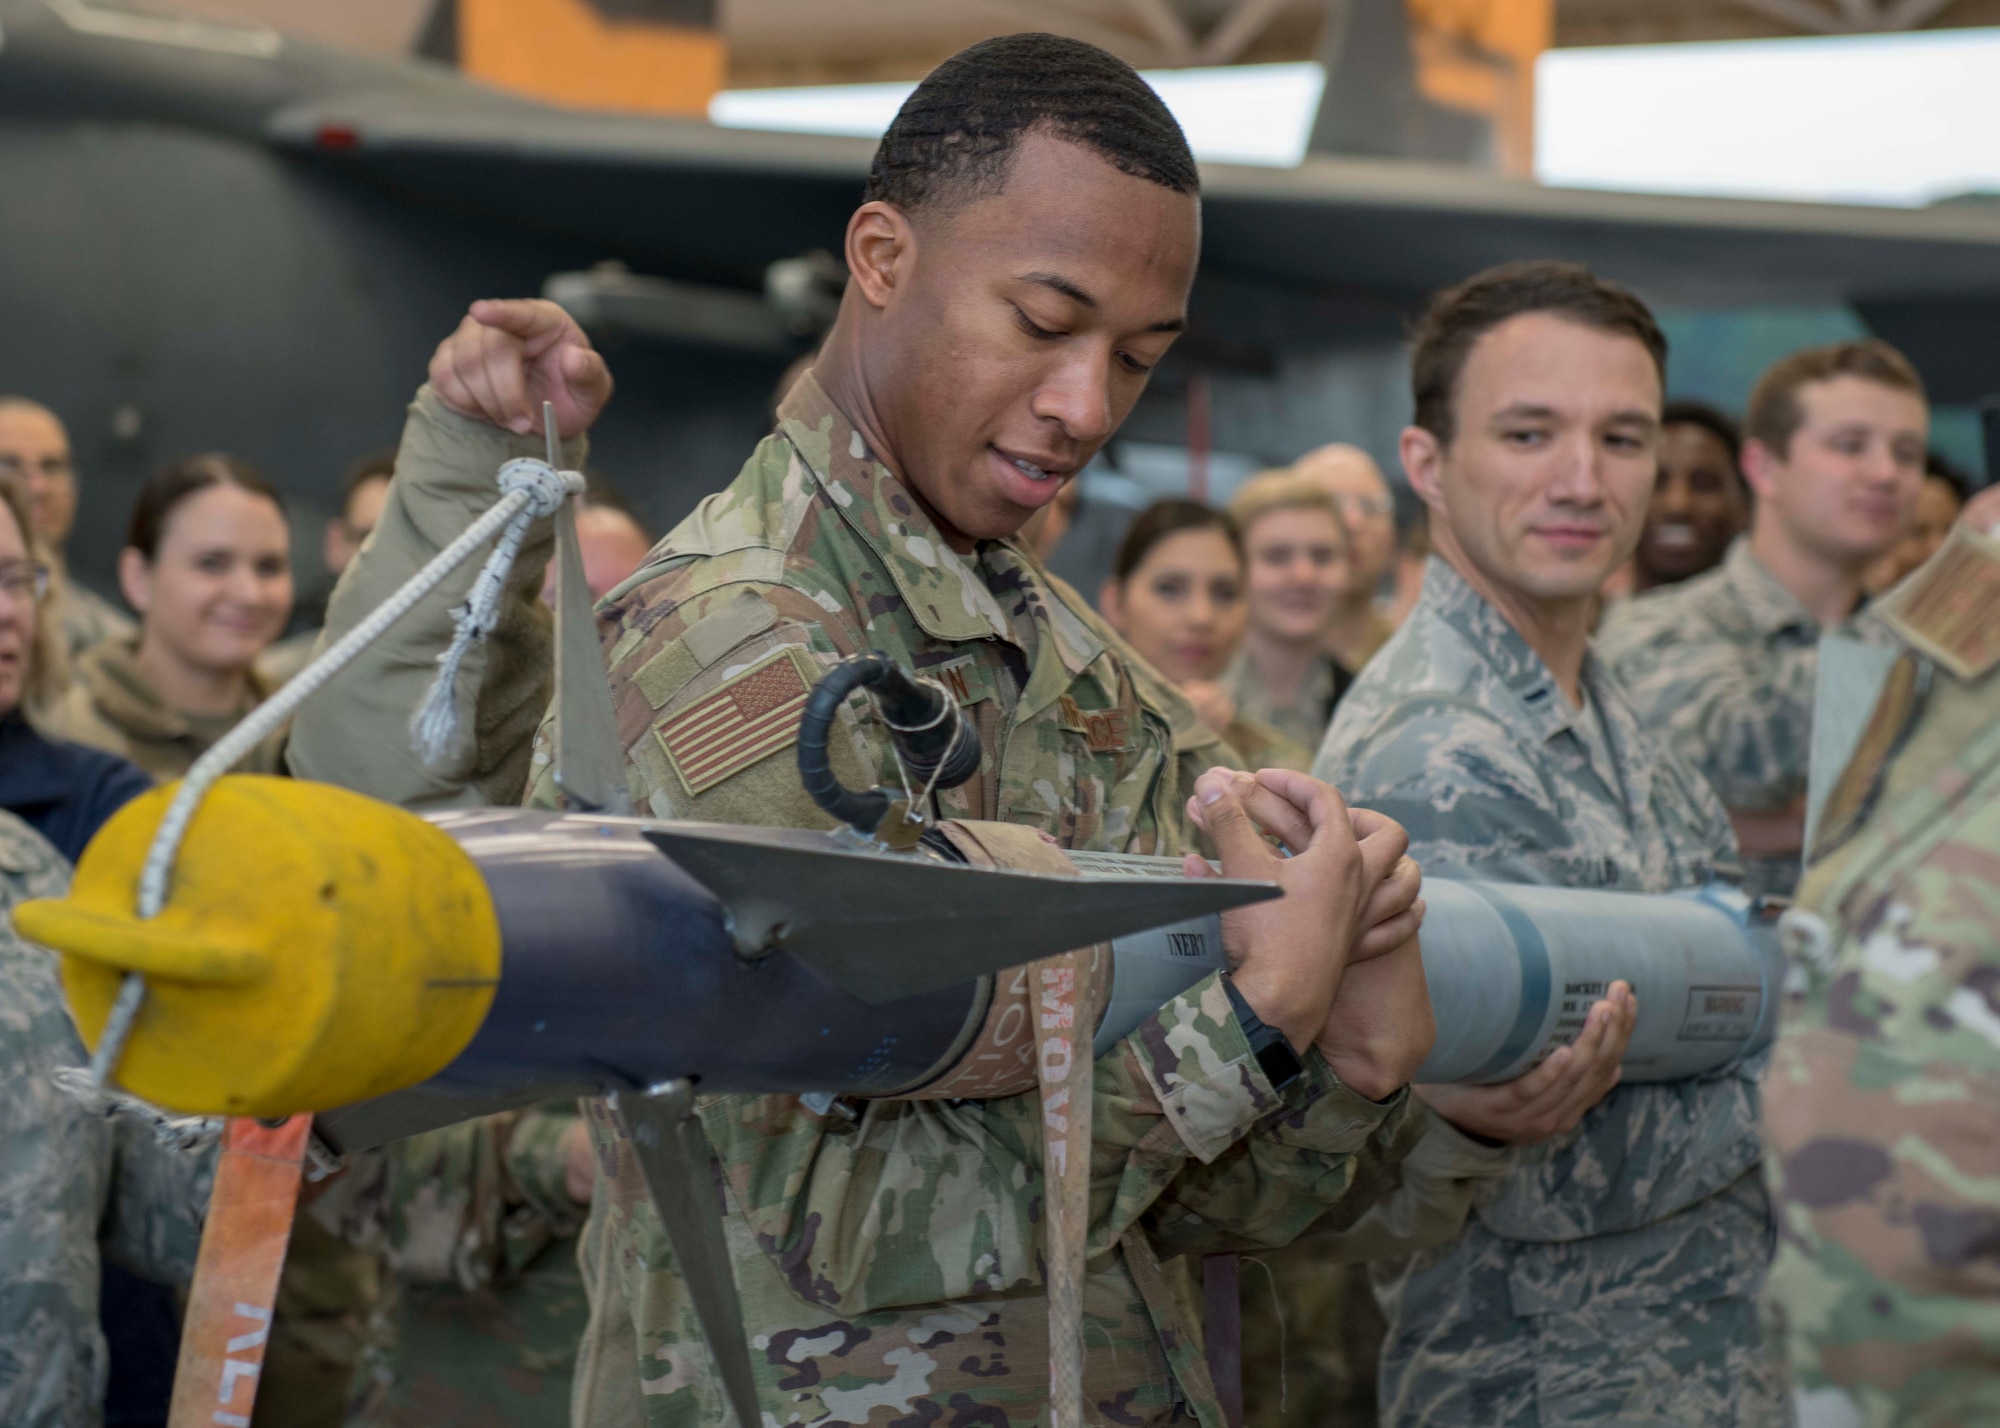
{"points": [[1721, 1013]]}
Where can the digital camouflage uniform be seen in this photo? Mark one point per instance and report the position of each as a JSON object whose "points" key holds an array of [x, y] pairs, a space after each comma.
{"points": [[73, 1183], [1611, 1277], [889, 1265], [1882, 1104], [334, 1316], [1722, 667]]}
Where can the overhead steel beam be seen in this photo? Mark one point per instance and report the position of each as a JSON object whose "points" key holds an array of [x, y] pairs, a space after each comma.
{"points": [[1237, 30], [1168, 29]]}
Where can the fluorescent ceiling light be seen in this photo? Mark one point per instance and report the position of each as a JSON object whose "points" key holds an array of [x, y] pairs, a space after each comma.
{"points": [[1886, 119], [1239, 114]]}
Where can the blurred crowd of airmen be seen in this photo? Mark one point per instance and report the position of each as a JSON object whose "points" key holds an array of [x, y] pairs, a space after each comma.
{"points": [[1599, 672]]}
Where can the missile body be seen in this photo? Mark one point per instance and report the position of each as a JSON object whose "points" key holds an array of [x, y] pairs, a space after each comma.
{"points": [[495, 957], [627, 953], [1514, 968], [617, 965]]}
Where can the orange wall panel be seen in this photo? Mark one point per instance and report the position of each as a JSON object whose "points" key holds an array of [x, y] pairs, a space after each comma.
{"points": [[565, 52]]}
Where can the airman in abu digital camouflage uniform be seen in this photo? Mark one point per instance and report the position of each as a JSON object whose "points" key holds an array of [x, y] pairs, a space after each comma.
{"points": [[74, 1182], [1880, 1101], [1723, 666], [1611, 1276]]}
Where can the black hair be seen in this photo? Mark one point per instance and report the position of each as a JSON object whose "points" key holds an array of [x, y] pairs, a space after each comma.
{"points": [[167, 488], [1167, 518], [1938, 467], [376, 466], [1713, 420], [600, 493], [1459, 316], [954, 137]]}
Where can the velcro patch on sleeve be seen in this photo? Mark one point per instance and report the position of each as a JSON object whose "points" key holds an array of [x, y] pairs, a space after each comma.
{"points": [[746, 718], [1949, 608]]}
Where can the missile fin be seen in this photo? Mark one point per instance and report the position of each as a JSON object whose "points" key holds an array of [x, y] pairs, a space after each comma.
{"points": [[885, 927], [399, 1115], [674, 1157]]}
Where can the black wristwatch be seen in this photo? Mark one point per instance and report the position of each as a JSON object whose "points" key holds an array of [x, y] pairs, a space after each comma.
{"points": [[1280, 1064]]}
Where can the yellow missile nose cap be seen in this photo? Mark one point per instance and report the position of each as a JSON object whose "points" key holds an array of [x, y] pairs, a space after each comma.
{"points": [[317, 948]]}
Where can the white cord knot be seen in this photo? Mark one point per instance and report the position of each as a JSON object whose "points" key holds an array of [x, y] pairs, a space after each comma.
{"points": [[533, 489], [545, 485]]}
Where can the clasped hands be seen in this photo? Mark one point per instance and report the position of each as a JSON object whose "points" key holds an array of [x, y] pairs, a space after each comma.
{"points": [[1335, 963]]}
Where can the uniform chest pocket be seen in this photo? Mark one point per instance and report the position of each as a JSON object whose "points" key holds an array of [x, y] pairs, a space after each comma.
{"points": [[1102, 731]]}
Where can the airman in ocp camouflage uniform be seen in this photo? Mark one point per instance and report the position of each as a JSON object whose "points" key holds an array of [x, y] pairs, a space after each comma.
{"points": [[1880, 1103], [74, 1182], [1612, 1276], [1722, 669], [889, 1265]]}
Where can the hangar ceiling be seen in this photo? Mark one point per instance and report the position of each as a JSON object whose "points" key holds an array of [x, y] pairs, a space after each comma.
{"points": [[813, 42]]}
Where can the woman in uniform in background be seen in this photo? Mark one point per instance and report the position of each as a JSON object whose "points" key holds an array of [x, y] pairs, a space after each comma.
{"points": [[207, 564], [1177, 595], [1299, 564]]}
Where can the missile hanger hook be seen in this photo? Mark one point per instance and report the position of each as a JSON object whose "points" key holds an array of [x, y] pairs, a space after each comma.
{"points": [[930, 736]]}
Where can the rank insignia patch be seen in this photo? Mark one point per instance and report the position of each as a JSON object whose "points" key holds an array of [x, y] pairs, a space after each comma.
{"points": [[749, 717]]}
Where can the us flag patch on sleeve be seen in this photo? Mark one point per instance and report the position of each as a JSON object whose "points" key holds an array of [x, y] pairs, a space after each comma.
{"points": [[748, 717]]}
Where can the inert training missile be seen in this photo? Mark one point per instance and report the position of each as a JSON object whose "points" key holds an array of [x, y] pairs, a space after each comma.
{"points": [[1513, 970], [506, 955]]}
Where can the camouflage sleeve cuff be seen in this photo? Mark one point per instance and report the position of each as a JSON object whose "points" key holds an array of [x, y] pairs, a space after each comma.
{"points": [[460, 453], [1327, 1115], [1448, 1153], [1195, 1057]]}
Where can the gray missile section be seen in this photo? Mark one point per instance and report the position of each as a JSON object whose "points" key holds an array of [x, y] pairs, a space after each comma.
{"points": [[1513, 970]]}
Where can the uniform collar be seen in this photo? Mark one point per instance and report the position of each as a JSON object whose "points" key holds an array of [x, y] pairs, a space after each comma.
{"points": [[944, 593], [110, 671], [1539, 708], [1765, 605]]}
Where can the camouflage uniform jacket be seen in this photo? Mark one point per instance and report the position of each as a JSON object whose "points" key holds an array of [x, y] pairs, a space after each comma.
{"points": [[889, 1264], [1722, 667], [1302, 721], [1611, 1277], [1882, 1104], [73, 1182], [112, 705], [85, 617]]}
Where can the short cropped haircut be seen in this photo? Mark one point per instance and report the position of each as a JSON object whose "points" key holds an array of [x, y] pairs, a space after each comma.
{"points": [[1776, 414], [1281, 490], [1169, 518], [1712, 420], [953, 140], [1459, 316]]}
